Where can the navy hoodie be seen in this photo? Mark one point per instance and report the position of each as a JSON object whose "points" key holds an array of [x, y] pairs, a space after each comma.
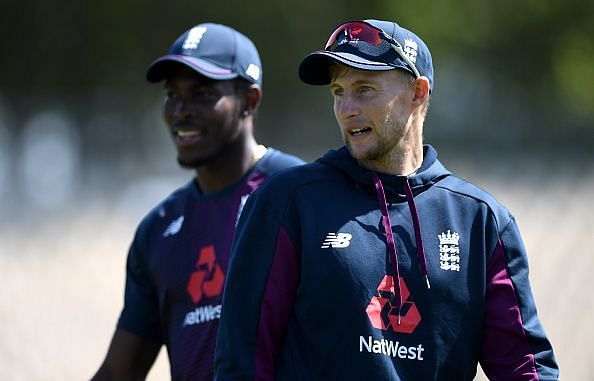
{"points": [[340, 273]]}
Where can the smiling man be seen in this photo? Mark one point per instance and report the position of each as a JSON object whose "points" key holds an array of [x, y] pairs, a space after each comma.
{"points": [[375, 262], [178, 260]]}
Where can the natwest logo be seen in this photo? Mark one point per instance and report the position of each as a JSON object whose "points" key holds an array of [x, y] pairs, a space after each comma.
{"points": [[208, 279], [384, 315]]}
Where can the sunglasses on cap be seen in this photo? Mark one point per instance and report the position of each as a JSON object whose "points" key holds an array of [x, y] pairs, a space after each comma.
{"points": [[359, 31]]}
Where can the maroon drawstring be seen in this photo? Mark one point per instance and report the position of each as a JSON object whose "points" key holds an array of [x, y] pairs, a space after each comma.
{"points": [[418, 236], [390, 237]]}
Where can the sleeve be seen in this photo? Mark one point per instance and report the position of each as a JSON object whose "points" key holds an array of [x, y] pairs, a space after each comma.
{"points": [[515, 346], [259, 293], [140, 314]]}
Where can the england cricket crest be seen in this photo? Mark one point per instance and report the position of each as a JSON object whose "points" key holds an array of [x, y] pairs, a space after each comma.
{"points": [[410, 49], [449, 251], [193, 38]]}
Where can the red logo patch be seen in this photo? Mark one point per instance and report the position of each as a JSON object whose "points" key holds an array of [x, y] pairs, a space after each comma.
{"points": [[384, 316], [208, 279]]}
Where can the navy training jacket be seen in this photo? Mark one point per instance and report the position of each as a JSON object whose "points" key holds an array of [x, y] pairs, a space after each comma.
{"points": [[340, 273]]}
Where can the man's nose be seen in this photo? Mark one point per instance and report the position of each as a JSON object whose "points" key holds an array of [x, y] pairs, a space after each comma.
{"points": [[184, 108], [347, 107]]}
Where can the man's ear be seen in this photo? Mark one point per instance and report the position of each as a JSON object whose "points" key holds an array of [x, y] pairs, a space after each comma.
{"points": [[421, 89], [253, 98]]}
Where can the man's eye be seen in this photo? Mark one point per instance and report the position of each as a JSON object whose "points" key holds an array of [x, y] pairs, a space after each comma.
{"points": [[204, 94], [337, 92], [171, 94]]}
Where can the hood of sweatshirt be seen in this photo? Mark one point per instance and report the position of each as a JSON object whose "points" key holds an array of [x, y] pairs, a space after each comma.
{"points": [[430, 172], [393, 188]]}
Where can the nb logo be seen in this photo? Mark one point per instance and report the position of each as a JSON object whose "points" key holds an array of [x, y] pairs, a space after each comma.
{"points": [[174, 227], [335, 240]]}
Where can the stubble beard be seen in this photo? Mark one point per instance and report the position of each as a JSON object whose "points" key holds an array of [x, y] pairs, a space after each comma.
{"points": [[384, 145]]}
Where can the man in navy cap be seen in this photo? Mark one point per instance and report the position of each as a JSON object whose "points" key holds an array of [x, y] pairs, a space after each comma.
{"points": [[375, 262], [178, 260]]}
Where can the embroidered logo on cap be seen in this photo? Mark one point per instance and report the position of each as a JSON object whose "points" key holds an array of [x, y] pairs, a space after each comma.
{"points": [[194, 36], [253, 71], [410, 49]]}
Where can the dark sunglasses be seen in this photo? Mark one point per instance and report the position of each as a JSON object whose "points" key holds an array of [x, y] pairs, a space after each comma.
{"points": [[361, 31]]}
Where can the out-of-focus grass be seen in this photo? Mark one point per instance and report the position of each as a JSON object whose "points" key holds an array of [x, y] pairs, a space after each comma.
{"points": [[63, 277]]}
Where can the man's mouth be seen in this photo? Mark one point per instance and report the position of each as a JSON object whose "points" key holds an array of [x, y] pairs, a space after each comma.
{"points": [[186, 134], [359, 131], [187, 137]]}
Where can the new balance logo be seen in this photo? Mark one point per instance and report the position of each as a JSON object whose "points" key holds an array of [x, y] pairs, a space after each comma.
{"points": [[174, 227], [335, 240]]}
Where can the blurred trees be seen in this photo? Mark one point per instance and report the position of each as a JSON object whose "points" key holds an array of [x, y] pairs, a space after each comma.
{"points": [[511, 78], [543, 48]]}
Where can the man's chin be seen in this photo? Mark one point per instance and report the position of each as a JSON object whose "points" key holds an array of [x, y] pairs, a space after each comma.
{"points": [[365, 155], [358, 153], [189, 164]]}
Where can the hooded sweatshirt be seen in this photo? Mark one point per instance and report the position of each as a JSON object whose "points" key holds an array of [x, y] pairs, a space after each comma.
{"points": [[341, 273]]}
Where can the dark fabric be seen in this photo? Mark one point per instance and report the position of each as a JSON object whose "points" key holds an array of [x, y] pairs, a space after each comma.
{"points": [[343, 323]]}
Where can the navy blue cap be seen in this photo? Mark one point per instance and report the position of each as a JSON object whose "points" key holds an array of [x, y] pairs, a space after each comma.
{"points": [[314, 68], [215, 51]]}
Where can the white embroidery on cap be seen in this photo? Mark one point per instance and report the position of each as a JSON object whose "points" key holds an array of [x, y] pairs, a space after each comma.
{"points": [[253, 71], [410, 49], [194, 36]]}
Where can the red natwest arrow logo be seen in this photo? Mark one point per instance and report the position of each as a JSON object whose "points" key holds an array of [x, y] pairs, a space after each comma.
{"points": [[384, 316], [208, 279]]}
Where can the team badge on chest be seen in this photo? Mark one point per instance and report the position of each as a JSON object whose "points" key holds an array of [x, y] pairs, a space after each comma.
{"points": [[449, 251]]}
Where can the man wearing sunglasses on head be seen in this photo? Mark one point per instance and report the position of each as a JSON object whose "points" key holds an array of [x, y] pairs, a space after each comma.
{"points": [[375, 262]]}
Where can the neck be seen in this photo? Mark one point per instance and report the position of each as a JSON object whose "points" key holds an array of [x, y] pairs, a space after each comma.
{"points": [[230, 166]]}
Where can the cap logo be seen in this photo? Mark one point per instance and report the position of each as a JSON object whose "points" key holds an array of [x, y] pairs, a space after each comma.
{"points": [[410, 49], [194, 36], [253, 71]]}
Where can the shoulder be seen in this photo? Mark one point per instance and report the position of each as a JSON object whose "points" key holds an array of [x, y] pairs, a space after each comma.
{"points": [[169, 208], [474, 194], [290, 192], [275, 161], [302, 178]]}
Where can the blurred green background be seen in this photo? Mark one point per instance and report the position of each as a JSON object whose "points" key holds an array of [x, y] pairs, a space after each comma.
{"points": [[84, 153], [510, 75], [511, 78]]}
